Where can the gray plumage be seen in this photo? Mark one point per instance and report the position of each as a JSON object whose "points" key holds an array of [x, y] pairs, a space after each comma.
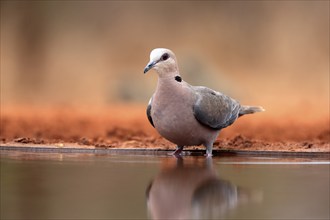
{"points": [[188, 115], [214, 109]]}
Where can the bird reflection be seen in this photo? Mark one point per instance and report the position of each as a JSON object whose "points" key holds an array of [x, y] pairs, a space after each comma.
{"points": [[193, 190]]}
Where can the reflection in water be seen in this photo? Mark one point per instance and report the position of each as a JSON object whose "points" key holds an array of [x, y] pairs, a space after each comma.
{"points": [[194, 191]]}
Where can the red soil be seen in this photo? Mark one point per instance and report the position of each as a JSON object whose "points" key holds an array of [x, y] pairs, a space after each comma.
{"points": [[126, 126]]}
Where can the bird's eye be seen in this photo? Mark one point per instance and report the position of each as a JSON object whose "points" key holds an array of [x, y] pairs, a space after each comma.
{"points": [[165, 56]]}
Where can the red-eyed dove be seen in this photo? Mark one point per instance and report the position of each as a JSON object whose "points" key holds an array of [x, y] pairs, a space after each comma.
{"points": [[188, 115]]}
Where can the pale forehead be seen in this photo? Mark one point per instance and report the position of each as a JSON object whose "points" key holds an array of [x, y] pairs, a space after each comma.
{"points": [[158, 52]]}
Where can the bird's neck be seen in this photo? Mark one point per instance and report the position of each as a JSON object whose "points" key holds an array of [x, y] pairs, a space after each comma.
{"points": [[169, 85], [169, 80]]}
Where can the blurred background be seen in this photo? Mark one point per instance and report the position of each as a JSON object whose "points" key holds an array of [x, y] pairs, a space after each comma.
{"points": [[269, 53]]}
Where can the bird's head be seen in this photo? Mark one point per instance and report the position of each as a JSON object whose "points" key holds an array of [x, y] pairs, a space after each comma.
{"points": [[163, 61]]}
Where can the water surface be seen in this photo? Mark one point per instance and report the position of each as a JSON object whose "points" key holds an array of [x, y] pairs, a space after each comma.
{"points": [[94, 186]]}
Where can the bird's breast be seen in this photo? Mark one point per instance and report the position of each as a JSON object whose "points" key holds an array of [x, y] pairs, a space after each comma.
{"points": [[174, 119]]}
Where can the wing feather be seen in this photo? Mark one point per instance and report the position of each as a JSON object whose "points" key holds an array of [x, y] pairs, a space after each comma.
{"points": [[214, 109]]}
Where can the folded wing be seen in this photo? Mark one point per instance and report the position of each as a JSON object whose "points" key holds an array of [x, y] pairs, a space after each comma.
{"points": [[214, 109]]}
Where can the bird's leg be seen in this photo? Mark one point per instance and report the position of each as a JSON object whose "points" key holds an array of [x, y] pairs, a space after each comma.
{"points": [[178, 151], [209, 150]]}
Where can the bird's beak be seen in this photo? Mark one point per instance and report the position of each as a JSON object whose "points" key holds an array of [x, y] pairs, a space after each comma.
{"points": [[149, 66]]}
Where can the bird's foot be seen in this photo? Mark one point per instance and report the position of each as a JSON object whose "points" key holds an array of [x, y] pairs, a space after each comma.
{"points": [[208, 155], [177, 152]]}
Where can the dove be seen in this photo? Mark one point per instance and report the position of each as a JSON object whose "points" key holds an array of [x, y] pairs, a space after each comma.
{"points": [[188, 115]]}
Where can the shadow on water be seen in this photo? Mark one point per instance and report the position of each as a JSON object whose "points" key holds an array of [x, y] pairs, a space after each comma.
{"points": [[194, 190]]}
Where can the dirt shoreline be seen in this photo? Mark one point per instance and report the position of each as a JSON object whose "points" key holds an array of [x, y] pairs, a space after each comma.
{"points": [[126, 127]]}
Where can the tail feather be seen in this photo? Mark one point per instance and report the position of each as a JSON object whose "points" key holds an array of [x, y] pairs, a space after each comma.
{"points": [[245, 109]]}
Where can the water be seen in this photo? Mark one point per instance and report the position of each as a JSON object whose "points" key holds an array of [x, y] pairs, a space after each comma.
{"points": [[89, 186]]}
